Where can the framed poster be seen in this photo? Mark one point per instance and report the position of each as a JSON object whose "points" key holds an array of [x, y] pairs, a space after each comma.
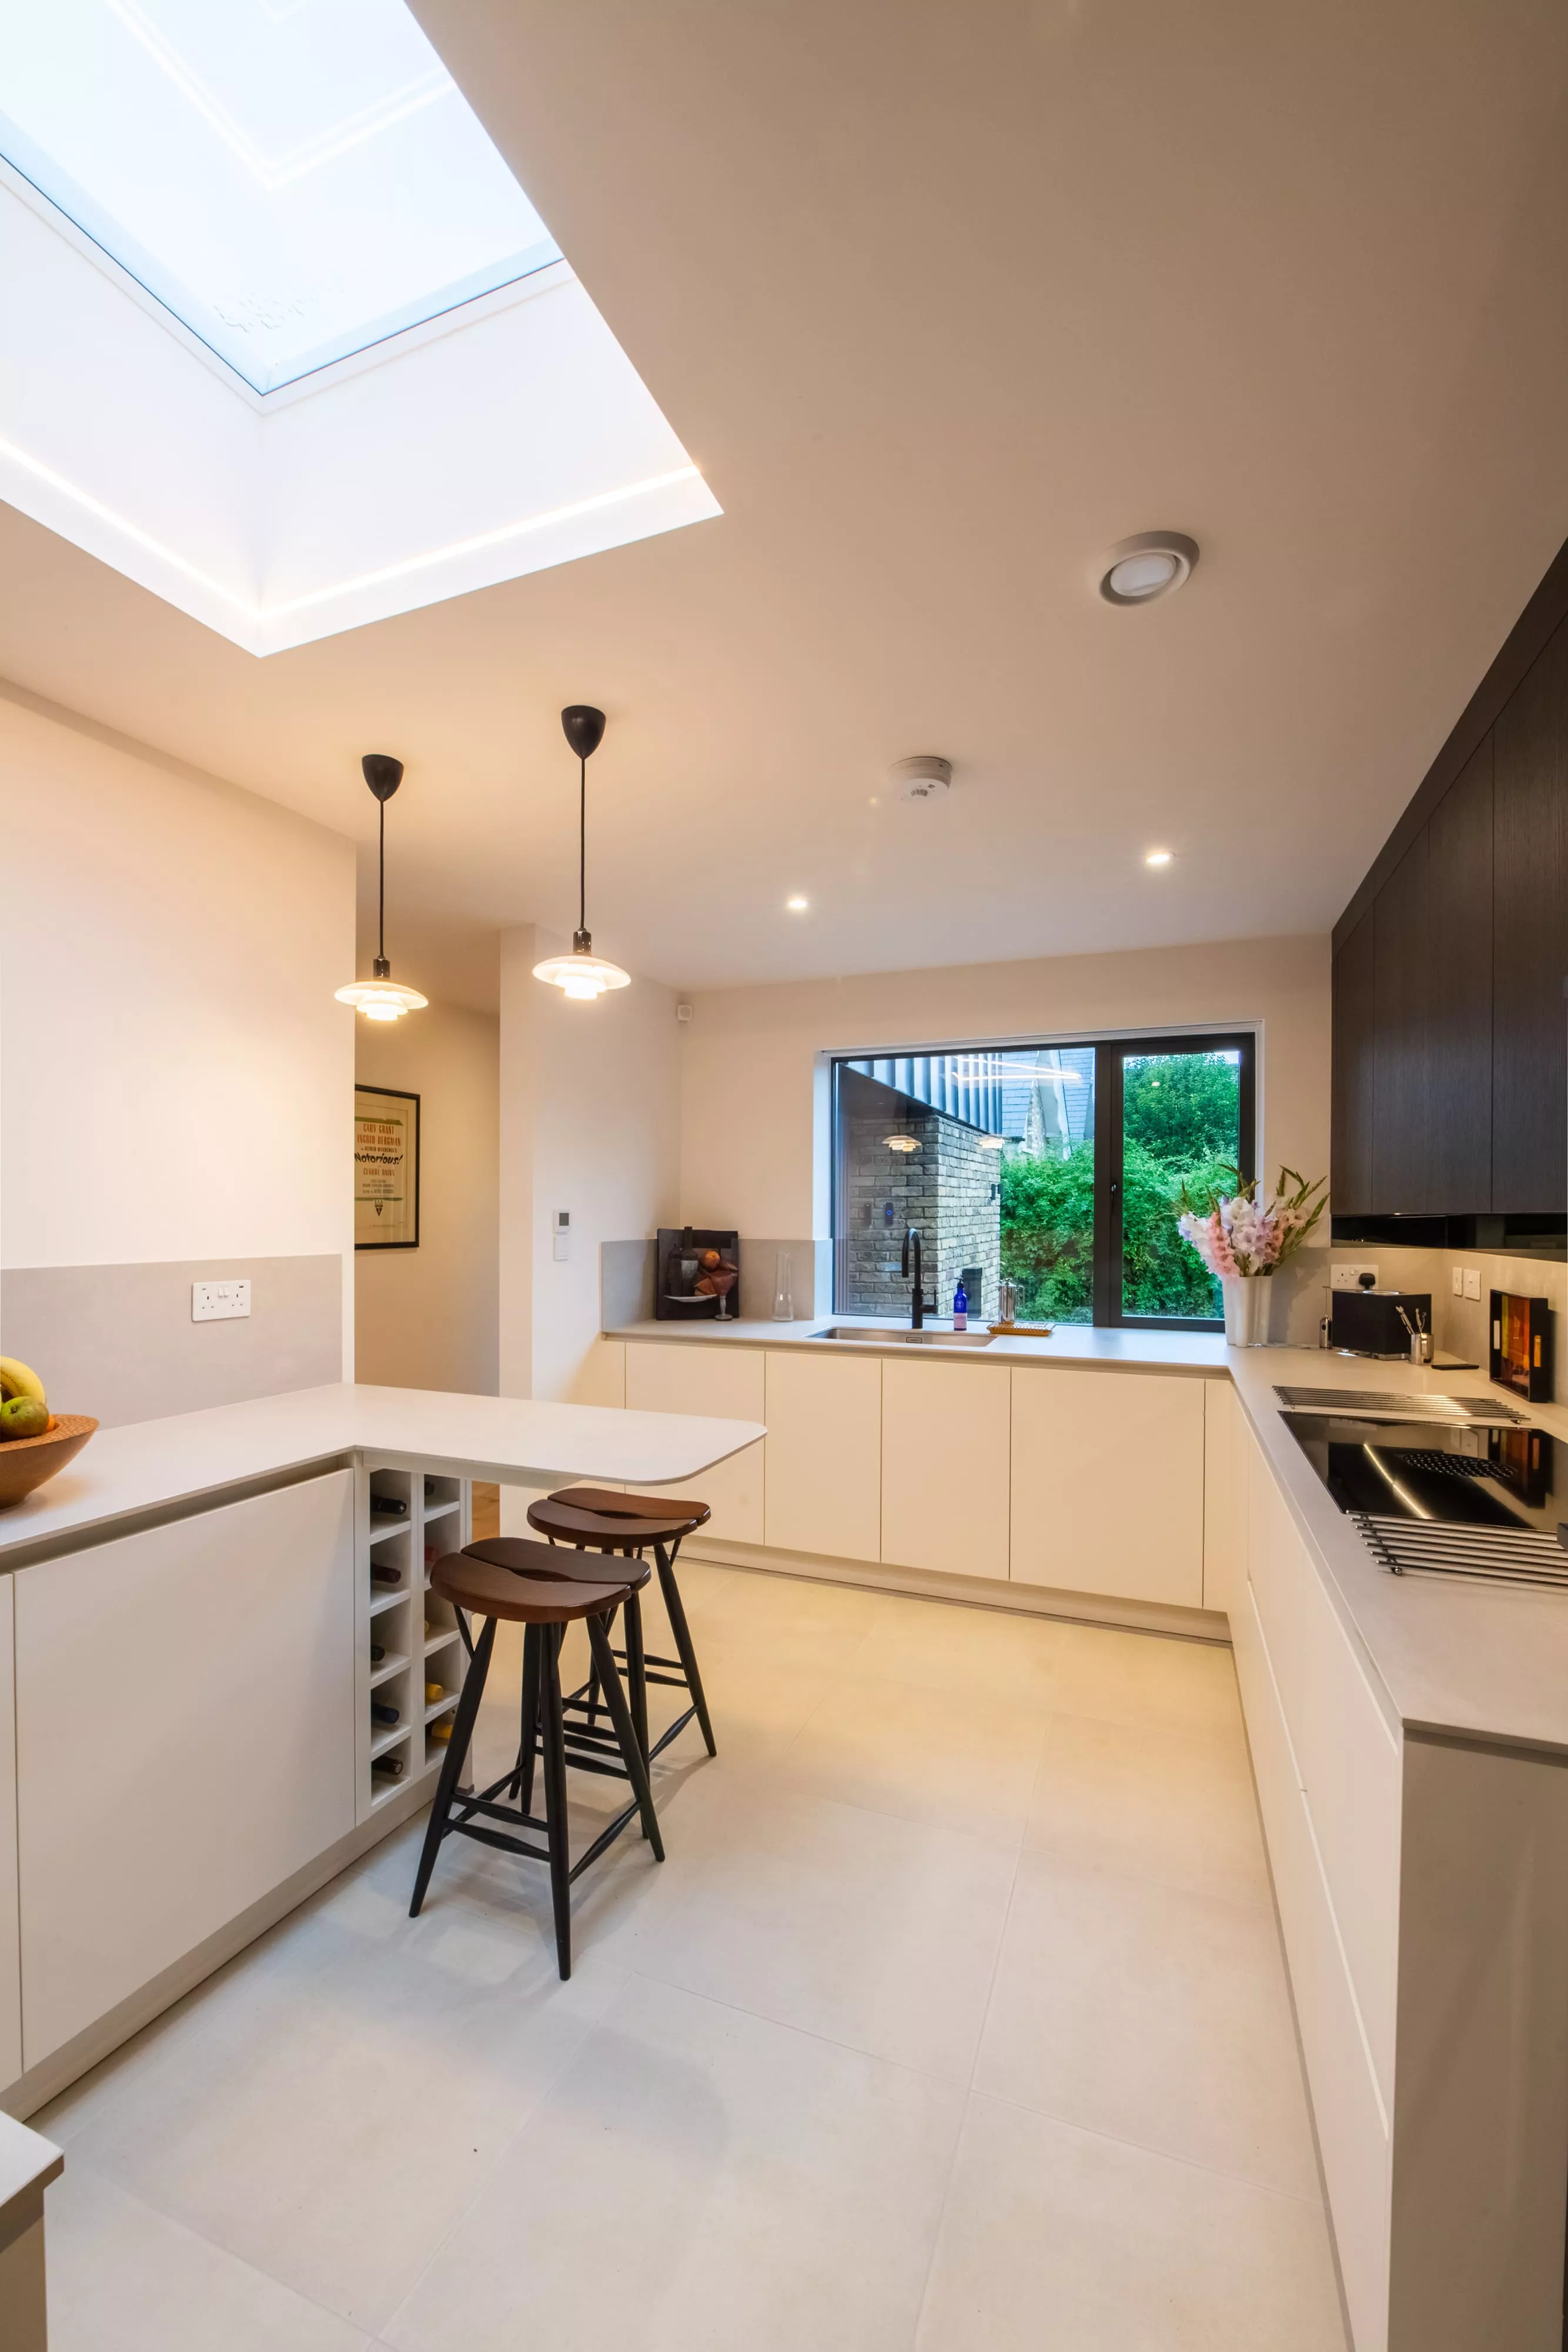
{"points": [[386, 1169]]}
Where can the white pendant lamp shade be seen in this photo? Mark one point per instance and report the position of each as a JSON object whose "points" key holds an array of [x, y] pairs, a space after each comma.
{"points": [[582, 974], [382, 998]]}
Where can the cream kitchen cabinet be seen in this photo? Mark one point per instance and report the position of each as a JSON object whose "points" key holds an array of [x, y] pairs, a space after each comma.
{"points": [[723, 1380], [184, 1739], [1107, 1483], [945, 1444], [824, 1453]]}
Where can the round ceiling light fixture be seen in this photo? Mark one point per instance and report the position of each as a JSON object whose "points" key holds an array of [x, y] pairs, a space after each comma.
{"points": [[901, 1142], [925, 777], [1156, 858], [582, 973], [1151, 564], [383, 998]]}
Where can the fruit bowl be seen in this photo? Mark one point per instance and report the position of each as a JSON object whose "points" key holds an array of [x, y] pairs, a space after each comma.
{"points": [[27, 1463]]}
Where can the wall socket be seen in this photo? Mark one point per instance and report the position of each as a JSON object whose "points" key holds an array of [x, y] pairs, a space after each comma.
{"points": [[217, 1302], [1346, 1275], [1456, 1277]]}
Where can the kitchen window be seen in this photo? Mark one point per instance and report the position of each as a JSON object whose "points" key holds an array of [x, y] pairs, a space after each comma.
{"points": [[1058, 1167]]}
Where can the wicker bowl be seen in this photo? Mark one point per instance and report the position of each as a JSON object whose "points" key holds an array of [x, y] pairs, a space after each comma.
{"points": [[27, 1463]]}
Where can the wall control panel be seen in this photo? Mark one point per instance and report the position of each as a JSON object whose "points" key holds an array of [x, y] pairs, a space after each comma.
{"points": [[1347, 1274], [562, 1235], [217, 1302]]}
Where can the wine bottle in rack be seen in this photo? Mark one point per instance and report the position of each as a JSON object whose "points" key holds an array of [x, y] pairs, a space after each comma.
{"points": [[388, 1768], [388, 1507], [383, 1573], [442, 1731], [378, 1654], [432, 1691], [382, 1711]]}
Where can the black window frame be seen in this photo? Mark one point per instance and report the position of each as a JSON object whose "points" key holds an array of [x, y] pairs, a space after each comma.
{"points": [[1107, 1311]]}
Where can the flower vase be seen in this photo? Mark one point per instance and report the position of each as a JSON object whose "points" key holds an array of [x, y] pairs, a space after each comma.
{"points": [[1248, 1297]]}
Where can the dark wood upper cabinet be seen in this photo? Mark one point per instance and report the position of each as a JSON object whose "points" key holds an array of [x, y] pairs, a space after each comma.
{"points": [[1399, 1072], [1458, 1180], [1530, 939], [1351, 1144]]}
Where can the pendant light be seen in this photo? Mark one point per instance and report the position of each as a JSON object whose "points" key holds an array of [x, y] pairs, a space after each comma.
{"points": [[582, 973], [381, 999]]}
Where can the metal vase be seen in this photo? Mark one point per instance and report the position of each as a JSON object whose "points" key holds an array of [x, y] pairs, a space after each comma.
{"points": [[1248, 1299]]}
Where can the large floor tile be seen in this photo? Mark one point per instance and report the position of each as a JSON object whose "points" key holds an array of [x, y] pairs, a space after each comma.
{"points": [[123, 2278], [1058, 2238], [891, 1747], [1154, 2014], [331, 2128], [872, 1931], [1149, 1800], [698, 2181], [968, 1654], [1147, 1679]]}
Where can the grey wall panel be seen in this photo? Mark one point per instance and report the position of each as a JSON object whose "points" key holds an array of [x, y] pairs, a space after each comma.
{"points": [[118, 1341]]}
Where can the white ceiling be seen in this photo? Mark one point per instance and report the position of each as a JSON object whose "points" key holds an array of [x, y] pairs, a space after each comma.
{"points": [[942, 300]]}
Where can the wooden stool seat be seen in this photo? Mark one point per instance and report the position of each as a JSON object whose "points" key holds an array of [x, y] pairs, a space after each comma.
{"points": [[531, 1590], [535, 1594], [571, 1518]]}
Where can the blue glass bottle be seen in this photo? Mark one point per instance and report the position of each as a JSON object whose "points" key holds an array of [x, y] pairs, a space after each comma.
{"points": [[960, 1309]]}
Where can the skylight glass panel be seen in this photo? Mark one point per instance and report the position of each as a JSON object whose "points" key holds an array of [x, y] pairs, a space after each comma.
{"points": [[295, 180]]}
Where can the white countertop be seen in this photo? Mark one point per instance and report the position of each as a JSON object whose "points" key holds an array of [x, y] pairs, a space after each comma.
{"points": [[1488, 1660], [154, 1465], [1069, 1343]]}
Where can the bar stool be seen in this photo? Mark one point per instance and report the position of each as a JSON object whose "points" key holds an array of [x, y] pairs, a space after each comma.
{"points": [[598, 1519], [536, 1596]]}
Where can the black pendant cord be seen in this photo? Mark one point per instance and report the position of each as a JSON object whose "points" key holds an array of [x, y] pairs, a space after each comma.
{"points": [[381, 868], [583, 846]]}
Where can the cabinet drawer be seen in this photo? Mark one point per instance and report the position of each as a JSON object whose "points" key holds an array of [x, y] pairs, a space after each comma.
{"points": [[1345, 1752], [1107, 1483], [824, 1454], [945, 1449]]}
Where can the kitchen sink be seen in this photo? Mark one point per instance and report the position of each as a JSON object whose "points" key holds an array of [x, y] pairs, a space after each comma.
{"points": [[902, 1339]]}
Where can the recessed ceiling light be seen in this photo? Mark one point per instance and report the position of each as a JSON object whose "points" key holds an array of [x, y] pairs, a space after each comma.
{"points": [[1157, 857], [1149, 565], [797, 906]]}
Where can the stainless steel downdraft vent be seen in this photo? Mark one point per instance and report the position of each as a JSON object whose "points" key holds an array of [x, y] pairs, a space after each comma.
{"points": [[1438, 1548]]}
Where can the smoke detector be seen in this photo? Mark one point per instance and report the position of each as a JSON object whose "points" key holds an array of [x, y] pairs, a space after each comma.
{"points": [[925, 777]]}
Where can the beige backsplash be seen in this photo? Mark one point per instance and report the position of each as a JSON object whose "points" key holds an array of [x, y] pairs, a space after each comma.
{"points": [[1460, 1324]]}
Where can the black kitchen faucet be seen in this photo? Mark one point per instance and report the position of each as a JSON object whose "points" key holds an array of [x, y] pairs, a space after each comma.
{"points": [[919, 1305]]}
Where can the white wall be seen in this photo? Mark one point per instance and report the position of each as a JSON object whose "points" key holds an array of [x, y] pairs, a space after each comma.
{"points": [[589, 1122], [748, 1077], [175, 1080], [427, 1318]]}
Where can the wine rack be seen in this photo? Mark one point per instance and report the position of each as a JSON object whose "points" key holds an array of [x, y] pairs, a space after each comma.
{"points": [[406, 1516]]}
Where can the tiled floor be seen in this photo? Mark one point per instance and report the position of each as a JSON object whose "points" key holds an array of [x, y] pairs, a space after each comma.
{"points": [[955, 2021]]}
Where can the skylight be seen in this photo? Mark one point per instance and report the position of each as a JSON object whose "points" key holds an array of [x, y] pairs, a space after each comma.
{"points": [[294, 179]]}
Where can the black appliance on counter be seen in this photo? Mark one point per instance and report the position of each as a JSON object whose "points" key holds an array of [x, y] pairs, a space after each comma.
{"points": [[1367, 1322], [679, 1268]]}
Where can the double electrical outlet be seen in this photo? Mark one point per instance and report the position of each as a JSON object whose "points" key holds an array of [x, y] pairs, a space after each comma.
{"points": [[1467, 1281]]}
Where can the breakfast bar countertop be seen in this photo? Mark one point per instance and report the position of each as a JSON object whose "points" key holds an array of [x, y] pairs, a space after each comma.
{"points": [[149, 1469]]}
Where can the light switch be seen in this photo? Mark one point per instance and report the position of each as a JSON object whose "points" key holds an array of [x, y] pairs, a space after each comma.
{"points": [[1458, 1276], [1472, 1282], [562, 1235], [217, 1302]]}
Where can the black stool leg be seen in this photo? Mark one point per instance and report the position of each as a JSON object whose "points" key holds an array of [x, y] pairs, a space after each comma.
{"points": [[682, 1632], [452, 1763], [636, 1671], [555, 1793], [522, 1778], [621, 1717]]}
